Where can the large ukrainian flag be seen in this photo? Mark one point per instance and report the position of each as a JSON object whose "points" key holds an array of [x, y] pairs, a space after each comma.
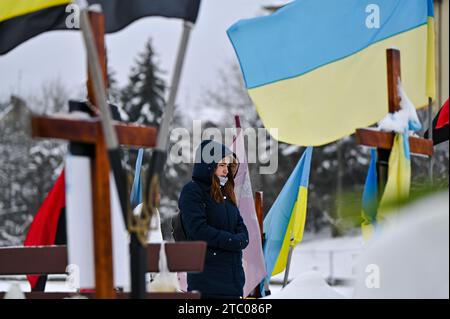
{"points": [[316, 69]]}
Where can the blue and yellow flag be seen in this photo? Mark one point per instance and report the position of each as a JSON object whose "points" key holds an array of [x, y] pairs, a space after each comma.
{"points": [[399, 176], [370, 199], [316, 69], [396, 190], [285, 222], [136, 190]]}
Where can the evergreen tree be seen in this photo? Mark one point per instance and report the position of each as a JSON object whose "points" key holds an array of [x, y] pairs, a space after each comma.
{"points": [[143, 98], [29, 169], [114, 92]]}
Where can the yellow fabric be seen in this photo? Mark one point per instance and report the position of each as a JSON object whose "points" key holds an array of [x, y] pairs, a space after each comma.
{"points": [[399, 179], [294, 233], [299, 215], [367, 231], [280, 265], [14, 8], [334, 100], [431, 60]]}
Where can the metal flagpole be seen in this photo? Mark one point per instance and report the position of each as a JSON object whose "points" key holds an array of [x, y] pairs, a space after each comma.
{"points": [[110, 136], [139, 225], [430, 135], [288, 266], [101, 101], [163, 135]]}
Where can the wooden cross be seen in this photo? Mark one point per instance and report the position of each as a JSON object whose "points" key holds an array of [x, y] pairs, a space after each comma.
{"points": [[383, 141], [90, 132]]}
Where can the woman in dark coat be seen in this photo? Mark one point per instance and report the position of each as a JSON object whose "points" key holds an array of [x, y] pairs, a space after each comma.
{"points": [[209, 213]]}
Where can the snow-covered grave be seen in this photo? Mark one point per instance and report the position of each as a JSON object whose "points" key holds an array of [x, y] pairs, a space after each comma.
{"points": [[55, 283], [408, 258], [331, 259]]}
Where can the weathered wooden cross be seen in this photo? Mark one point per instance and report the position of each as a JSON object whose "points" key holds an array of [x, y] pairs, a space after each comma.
{"points": [[383, 141], [90, 132]]}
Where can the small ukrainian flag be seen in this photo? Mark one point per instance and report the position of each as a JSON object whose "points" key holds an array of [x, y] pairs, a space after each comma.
{"points": [[285, 223]]}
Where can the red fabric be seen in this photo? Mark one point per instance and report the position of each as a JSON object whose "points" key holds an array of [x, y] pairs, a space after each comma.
{"points": [[43, 229], [443, 117]]}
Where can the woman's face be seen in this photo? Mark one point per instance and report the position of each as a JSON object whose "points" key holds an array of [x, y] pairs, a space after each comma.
{"points": [[222, 167]]}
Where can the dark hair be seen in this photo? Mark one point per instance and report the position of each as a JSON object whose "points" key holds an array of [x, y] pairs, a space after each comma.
{"points": [[228, 189]]}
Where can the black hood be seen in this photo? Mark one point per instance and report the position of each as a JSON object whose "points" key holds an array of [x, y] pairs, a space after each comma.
{"points": [[207, 156]]}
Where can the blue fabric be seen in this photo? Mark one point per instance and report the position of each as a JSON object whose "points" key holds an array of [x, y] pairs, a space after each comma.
{"points": [[370, 194], [431, 8], [220, 225], [406, 146], [136, 190], [277, 220], [308, 34]]}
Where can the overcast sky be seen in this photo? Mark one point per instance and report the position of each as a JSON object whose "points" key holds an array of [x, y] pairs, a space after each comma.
{"points": [[60, 54]]}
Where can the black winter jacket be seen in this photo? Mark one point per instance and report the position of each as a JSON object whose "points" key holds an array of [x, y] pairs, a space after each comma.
{"points": [[219, 224]]}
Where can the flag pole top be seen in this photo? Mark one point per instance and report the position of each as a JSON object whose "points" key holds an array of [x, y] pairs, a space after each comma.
{"points": [[237, 121]]}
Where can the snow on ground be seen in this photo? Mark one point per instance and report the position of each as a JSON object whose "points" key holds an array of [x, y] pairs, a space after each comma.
{"points": [[408, 258], [309, 285], [55, 283], [326, 258], [331, 259]]}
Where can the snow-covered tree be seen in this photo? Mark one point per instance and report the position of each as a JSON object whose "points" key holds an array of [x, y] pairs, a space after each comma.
{"points": [[28, 171], [143, 99]]}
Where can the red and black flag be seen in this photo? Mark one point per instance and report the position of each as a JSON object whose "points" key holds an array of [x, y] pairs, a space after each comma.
{"points": [[440, 126], [48, 226], [21, 20]]}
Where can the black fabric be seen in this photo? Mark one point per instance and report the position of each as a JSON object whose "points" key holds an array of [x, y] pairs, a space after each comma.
{"points": [[82, 149], [118, 15], [61, 232], [15, 31], [178, 231], [81, 106], [60, 239], [220, 225], [40, 285], [440, 135]]}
